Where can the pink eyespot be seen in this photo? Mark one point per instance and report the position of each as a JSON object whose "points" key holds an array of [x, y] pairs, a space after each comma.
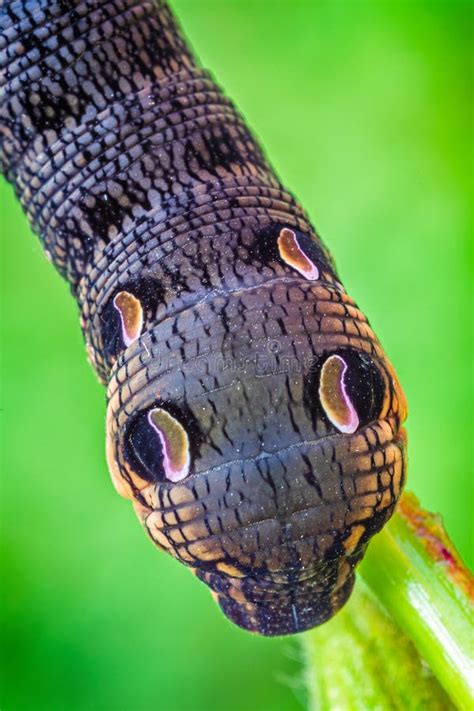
{"points": [[174, 443], [292, 253], [334, 397], [131, 316]]}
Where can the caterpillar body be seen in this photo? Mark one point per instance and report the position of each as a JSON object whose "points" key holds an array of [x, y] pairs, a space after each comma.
{"points": [[253, 418]]}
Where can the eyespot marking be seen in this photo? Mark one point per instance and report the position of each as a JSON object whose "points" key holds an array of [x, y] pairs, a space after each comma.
{"points": [[292, 253], [174, 442], [334, 397], [131, 316]]}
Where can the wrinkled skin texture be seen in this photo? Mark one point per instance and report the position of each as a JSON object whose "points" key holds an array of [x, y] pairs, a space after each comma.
{"points": [[209, 307]]}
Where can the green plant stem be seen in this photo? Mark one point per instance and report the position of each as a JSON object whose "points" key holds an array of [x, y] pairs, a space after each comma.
{"points": [[405, 639], [359, 661], [416, 574]]}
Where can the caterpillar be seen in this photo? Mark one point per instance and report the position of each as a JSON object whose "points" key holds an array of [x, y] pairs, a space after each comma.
{"points": [[253, 419]]}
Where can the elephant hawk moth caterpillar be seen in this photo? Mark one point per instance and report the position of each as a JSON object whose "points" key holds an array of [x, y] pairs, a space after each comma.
{"points": [[253, 418]]}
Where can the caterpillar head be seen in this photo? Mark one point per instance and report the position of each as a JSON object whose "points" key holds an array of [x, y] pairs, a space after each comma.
{"points": [[259, 437]]}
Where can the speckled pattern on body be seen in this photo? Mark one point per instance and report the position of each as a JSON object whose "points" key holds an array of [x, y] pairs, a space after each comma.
{"points": [[209, 307]]}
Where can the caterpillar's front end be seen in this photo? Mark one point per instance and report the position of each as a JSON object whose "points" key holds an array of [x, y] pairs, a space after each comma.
{"points": [[258, 435], [253, 418]]}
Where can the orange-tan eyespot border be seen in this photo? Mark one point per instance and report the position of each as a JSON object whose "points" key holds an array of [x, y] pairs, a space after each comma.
{"points": [[122, 487], [151, 448]]}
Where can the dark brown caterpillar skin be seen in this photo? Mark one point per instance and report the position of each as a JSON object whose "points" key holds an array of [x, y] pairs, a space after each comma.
{"points": [[253, 418]]}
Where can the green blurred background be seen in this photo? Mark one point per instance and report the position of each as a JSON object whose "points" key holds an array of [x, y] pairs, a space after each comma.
{"points": [[365, 109]]}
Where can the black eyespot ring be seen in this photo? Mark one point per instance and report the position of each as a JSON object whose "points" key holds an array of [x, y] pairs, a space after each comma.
{"points": [[363, 382], [148, 292], [266, 249], [365, 385], [145, 450]]}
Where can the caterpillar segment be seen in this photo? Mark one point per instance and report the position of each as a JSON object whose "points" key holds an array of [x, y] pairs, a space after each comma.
{"points": [[253, 418]]}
